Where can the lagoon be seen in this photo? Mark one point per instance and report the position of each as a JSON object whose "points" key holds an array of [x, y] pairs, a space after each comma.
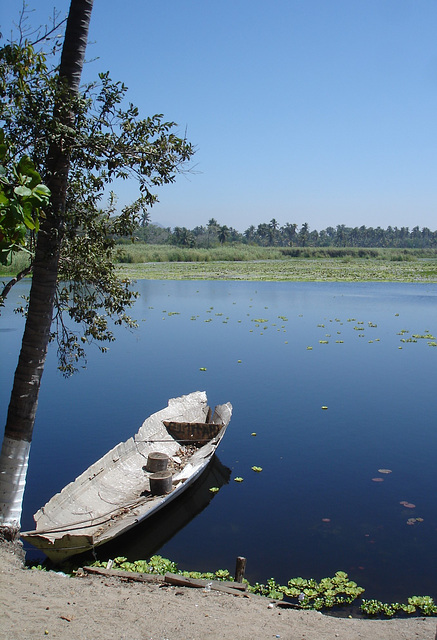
{"points": [[279, 351]]}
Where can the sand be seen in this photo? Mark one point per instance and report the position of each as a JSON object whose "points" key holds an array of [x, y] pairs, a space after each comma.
{"points": [[37, 604]]}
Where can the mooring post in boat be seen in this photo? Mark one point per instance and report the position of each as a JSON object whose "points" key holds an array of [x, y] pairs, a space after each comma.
{"points": [[160, 482], [240, 568], [157, 461]]}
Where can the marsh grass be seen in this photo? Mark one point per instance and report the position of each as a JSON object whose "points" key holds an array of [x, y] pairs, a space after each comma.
{"points": [[245, 262], [291, 270], [140, 252]]}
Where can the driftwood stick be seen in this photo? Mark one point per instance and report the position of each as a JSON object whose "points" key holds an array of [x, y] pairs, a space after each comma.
{"points": [[237, 589], [216, 585], [126, 575]]}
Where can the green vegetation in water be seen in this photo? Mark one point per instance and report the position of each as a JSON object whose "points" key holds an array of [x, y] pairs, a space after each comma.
{"points": [[327, 593], [424, 605], [335, 591], [245, 262]]}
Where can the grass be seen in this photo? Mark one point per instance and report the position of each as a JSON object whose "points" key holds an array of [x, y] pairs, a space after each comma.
{"points": [[291, 270], [244, 262]]}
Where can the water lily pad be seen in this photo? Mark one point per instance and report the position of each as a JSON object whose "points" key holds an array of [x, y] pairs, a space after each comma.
{"points": [[408, 505]]}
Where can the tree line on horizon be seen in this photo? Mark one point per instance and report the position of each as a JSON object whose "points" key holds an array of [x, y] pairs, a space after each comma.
{"points": [[272, 234]]}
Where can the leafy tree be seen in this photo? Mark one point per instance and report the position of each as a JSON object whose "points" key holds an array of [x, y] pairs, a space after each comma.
{"points": [[22, 198], [250, 234], [183, 237], [303, 234], [79, 140], [289, 232], [223, 234]]}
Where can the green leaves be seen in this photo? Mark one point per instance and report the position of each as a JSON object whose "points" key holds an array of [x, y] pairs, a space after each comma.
{"points": [[22, 200], [105, 140]]}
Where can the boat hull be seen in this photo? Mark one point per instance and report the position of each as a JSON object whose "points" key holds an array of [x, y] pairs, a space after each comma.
{"points": [[113, 495]]}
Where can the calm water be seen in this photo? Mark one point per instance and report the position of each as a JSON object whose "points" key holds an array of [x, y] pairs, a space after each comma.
{"points": [[315, 508]]}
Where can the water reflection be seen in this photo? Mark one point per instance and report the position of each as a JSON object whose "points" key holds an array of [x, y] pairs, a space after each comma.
{"points": [[247, 343]]}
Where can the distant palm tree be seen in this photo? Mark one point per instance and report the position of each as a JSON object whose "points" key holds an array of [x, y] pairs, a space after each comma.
{"points": [[289, 231], [223, 234], [303, 234]]}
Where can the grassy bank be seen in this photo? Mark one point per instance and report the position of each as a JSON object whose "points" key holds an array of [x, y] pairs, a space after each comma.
{"points": [[301, 264], [140, 253]]}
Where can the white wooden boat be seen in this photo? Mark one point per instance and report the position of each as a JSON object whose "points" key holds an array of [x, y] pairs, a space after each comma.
{"points": [[118, 491]]}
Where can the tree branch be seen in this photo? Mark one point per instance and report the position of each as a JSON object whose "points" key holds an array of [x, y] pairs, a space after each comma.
{"points": [[18, 277]]}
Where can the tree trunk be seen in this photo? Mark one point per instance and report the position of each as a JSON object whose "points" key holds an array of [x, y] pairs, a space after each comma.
{"points": [[24, 397]]}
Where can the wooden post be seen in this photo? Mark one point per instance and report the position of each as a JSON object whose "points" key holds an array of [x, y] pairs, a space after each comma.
{"points": [[240, 568], [157, 461], [160, 483]]}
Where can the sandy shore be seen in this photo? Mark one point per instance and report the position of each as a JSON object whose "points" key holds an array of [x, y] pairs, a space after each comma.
{"points": [[36, 604]]}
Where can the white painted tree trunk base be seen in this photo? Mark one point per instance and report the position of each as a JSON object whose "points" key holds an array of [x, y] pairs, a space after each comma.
{"points": [[14, 459]]}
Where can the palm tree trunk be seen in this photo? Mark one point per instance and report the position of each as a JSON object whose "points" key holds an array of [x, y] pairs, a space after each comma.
{"points": [[24, 397]]}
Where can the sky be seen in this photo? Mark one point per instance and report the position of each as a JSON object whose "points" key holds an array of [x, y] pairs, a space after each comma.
{"points": [[317, 111]]}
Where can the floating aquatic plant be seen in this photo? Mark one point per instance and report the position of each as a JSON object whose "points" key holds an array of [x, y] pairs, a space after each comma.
{"points": [[257, 469], [238, 479], [310, 594]]}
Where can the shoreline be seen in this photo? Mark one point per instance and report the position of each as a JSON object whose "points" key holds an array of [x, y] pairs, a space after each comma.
{"points": [[37, 604]]}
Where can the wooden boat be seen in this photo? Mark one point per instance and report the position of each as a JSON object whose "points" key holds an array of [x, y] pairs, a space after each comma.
{"points": [[119, 490], [148, 537]]}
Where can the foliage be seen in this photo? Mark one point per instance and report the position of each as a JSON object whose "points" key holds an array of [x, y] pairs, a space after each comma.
{"points": [[109, 142], [144, 251], [339, 241], [425, 605], [159, 565], [310, 594], [287, 270], [307, 592], [22, 200]]}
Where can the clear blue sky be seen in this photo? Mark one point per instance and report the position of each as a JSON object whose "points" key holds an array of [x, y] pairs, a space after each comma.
{"points": [[318, 111]]}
